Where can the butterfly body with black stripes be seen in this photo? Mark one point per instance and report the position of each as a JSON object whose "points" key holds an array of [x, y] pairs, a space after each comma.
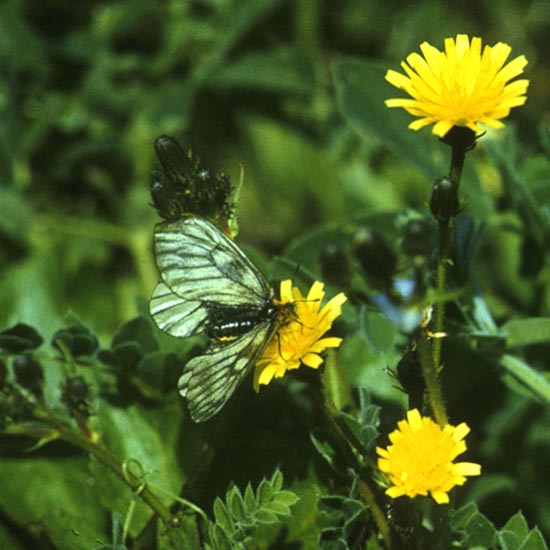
{"points": [[209, 286]]}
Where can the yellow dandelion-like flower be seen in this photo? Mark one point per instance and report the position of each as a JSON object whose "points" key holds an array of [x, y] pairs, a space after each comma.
{"points": [[461, 86], [299, 339], [420, 459]]}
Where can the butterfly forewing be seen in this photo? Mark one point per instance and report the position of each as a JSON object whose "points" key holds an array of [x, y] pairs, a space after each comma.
{"points": [[198, 262]]}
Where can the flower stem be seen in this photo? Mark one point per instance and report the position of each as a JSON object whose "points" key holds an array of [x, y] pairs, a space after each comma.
{"points": [[431, 378], [445, 207]]}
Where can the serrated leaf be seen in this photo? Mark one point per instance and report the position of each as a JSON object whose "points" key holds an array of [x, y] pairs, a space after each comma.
{"points": [[517, 524], [219, 539], [325, 449], [479, 531], [534, 541], [266, 516], [264, 493], [235, 504], [222, 516], [286, 497], [279, 508], [249, 499], [507, 540], [462, 516], [277, 480]]}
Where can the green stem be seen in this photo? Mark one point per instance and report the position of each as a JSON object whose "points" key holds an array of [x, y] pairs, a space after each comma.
{"points": [[431, 361], [431, 378]]}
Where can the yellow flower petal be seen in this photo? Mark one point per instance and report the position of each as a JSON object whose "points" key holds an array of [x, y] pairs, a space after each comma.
{"points": [[461, 86], [420, 458], [299, 339]]}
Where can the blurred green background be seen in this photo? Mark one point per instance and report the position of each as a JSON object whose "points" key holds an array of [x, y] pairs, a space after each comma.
{"points": [[290, 93]]}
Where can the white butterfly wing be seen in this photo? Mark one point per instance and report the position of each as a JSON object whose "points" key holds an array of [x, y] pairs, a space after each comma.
{"points": [[176, 315], [208, 380], [198, 262]]}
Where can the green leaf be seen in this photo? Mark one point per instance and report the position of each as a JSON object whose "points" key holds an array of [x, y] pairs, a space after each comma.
{"points": [[236, 504], [264, 493], [266, 516], [279, 71], [57, 495], [527, 331], [534, 541], [325, 449], [518, 525], [249, 499], [529, 378], [277, 481], [222, 516], [279, 508], [507, 540], [286, 497], [479, 531]]}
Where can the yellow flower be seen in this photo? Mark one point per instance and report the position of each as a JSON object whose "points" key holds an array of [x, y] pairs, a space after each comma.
{"points": [[461, 86], [299, 338], [420, 459]]}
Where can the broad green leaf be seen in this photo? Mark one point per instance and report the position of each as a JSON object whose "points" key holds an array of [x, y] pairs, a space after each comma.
{"points": [[527, 331], [279, 71], [57, 495], [529, 378]]}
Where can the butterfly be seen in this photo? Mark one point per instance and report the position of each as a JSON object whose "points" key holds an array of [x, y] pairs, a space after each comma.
{"points": [[209, 286]]}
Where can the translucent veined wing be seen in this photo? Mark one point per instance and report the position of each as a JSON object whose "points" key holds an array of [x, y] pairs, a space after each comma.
{"points": [[208, 380], [198, 262], [176, 315], [199, 267]]}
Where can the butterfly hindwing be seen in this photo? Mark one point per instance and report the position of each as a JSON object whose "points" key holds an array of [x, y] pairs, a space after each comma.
{"points": [[176, 315], [209, 379]]}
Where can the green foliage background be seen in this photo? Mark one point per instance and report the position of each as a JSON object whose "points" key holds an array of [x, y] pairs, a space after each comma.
{"points": [[292, 93]]}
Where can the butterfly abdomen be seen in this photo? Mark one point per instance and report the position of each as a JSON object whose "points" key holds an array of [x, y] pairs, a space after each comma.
{"points": [[227, 322]]}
